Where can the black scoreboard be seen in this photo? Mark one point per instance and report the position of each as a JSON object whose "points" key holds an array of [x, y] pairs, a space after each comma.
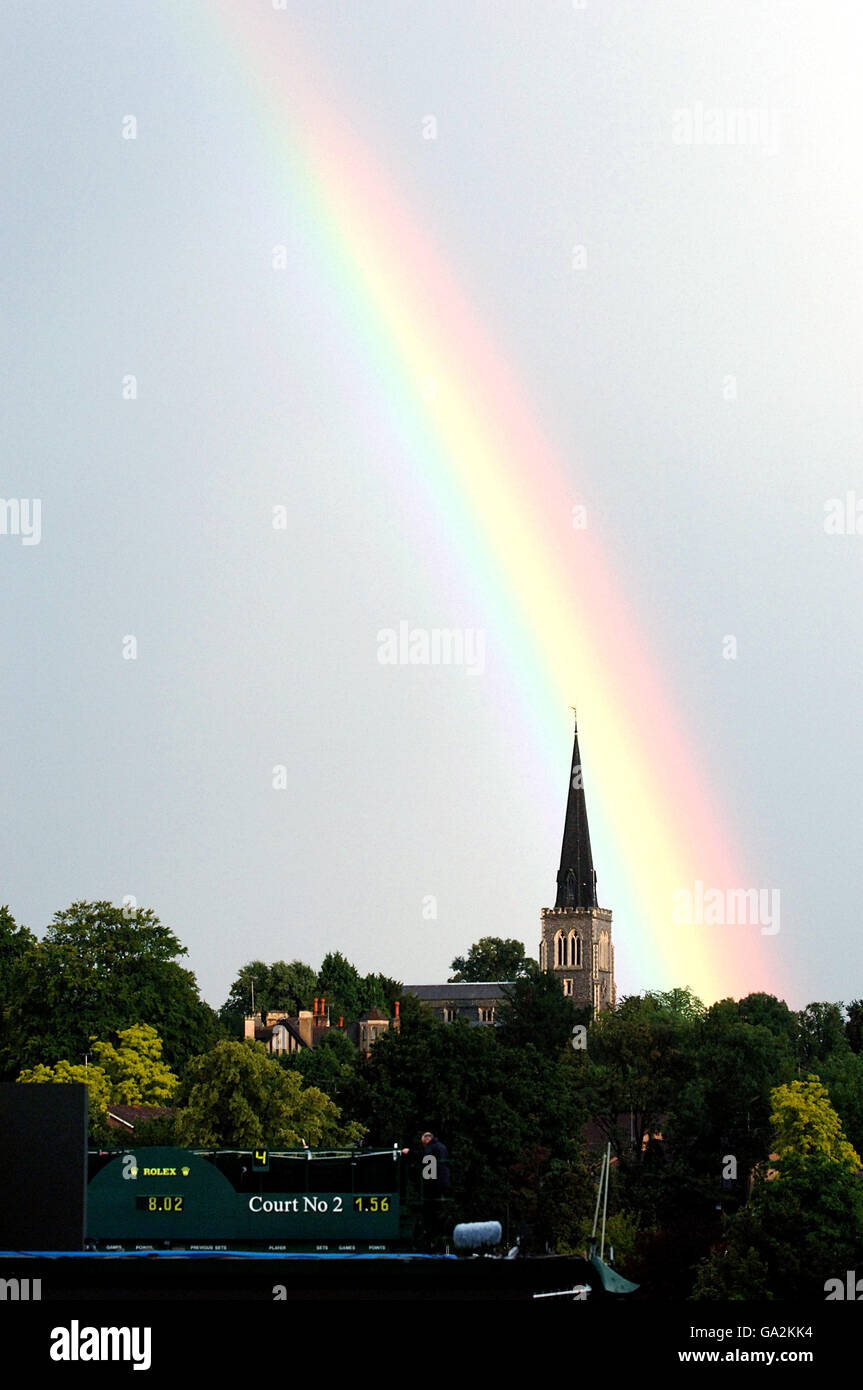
{"points": [[196, 1199]]}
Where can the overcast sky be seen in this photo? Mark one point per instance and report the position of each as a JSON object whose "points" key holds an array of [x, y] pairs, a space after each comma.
{"points": [[704, 367]]}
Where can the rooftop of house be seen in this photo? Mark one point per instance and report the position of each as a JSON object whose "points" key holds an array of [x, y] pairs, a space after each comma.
{"points": [[479, 989]]}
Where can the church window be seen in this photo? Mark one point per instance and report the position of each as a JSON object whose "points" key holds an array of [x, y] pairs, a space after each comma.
{"points": [[567, 986], [570, 888]]}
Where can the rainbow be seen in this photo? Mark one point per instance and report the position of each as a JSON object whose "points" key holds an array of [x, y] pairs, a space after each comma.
{"points": [[468, 431]]}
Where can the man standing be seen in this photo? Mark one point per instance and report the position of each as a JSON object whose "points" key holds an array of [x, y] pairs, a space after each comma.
{"points": [[435, 1166]]}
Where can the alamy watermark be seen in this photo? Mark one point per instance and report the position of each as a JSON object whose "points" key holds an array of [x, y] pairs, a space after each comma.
{"points": [[756, 126], [843, 516], [726, 907], [436, 646], [851, 1288], [21, 516]]}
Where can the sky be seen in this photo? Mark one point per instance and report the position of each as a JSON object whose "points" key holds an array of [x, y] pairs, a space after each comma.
{"points": [[225, 492]]}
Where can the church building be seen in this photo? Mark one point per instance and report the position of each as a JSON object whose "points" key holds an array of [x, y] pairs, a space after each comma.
{"points": [[576, 932]]}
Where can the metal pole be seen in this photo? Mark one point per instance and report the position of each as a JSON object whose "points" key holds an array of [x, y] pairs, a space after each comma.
{"points": [[598, 1195], [605, 1202]]}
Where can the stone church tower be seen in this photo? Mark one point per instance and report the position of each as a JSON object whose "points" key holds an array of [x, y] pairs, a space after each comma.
{"points": [[576, 933]]}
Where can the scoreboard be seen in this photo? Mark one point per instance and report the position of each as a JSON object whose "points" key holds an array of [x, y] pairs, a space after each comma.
{"points": [[211, 1200]]}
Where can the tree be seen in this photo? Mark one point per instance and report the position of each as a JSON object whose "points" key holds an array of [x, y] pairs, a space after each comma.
{"points": [[341, 984], [766, 1011], [237, 1096], [15, 945], [854, 1025], [381, 992], [723, 1109], [494, 1106], [806, 1124], [638, 1057], [732, 1275], [99, 969], [136, 1073], [15, 942], [491, 958], [289, 985], [821, 1032], [331, 1064], [804, 1219], [130, 1072], [62, 1074], [791, 1237], [537, 1011]]}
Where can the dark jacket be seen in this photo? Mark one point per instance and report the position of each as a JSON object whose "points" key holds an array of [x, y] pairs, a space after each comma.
{"points": [[439, 1186]]}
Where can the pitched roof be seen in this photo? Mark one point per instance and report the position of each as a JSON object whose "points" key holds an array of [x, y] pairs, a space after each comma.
{"points": [[479, 989]]}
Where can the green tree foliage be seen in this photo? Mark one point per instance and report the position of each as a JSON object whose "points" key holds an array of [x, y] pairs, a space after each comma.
{"points": [[536, 1012], [340, 983], [128, 1072], [804, 1221], [381, 992], [793, 1235], [638, 1057], [99, 969], [806, 1124], [766, 1011], [288, 985], [491, 958], [331, 1064], [293, 986], [237, 1096], [821, 1033], [854, 1025], [62, 1073], [349, 994], [15, 945], [136, 1072], [732, 1275], [492, 1105], [723, 1107]]}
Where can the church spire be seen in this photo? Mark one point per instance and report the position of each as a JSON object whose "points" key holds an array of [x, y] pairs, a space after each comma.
{"points": [[576, 880]]}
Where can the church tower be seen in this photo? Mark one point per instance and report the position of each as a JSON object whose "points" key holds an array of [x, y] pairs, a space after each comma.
{"points": [[576, 933]]}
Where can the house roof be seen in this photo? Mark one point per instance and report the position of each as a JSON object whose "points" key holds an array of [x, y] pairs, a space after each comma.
{"points": [[263, 1034], [462, 990]]}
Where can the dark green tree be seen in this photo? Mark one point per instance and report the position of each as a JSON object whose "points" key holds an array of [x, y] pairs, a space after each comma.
{"points": [[98, 969], [288, 985], [332, 1065], [16, 944], [638, 1057], [722, 1110], [537, 1011], [380, 992], [854, 1025], [491, 958], [766, 1011], [797, 1231], [341, 984], [494, 1107]]}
